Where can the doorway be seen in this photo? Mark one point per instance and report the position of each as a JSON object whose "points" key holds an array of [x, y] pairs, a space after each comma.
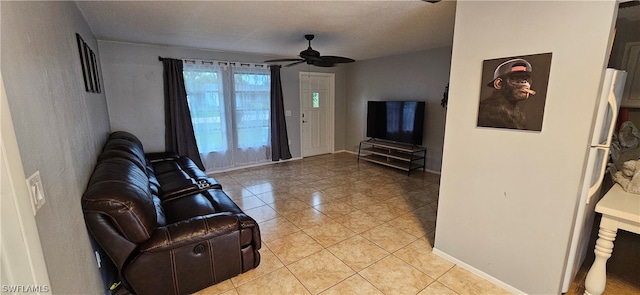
{"points": [[317, 100]]}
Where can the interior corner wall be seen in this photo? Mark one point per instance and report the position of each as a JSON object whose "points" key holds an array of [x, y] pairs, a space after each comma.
{"points": [[419, 76], [135, 95], [508, 197], [59, 127]]}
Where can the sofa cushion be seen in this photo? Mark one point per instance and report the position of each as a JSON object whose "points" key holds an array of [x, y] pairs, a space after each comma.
{"points": [[187, 207], [169, 175], [196, 204], [125, 135], [124, 148], [181, 167]]}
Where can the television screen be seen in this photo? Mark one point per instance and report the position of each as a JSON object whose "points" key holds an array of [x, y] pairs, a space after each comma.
{"points": [[399, 121]]}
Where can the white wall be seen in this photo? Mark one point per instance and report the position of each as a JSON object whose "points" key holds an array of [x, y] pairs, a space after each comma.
{"points": [[507, 197], [59, 127], [419, 76]]}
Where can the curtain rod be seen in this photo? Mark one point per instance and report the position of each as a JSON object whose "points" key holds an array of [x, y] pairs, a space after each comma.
{"points": [[221, 62]]}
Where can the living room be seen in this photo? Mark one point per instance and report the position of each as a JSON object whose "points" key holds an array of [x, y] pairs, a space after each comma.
{"points": [[60, 128]]}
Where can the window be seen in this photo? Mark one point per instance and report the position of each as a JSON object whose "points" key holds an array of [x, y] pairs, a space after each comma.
{"points": [[206, 103], [230, 113], [315, 100], [252, 108]]}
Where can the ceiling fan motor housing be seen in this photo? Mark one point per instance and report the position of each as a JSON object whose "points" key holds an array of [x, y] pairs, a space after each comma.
{"points": [[309, 52]]}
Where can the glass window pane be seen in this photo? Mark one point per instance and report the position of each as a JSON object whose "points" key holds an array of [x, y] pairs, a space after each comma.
{"points": [[206, 104], [316, 100], [230, 110], [252, 109]]}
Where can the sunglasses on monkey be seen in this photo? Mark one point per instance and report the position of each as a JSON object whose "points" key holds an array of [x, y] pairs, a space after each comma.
{"points": [[519, 78]]}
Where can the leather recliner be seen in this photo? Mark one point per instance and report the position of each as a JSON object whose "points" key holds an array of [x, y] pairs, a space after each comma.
{"points": [[172, 233]]}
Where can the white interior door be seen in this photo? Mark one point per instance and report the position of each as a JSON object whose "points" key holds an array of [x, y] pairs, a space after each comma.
{"points": [[21, 260], [317, 104]]}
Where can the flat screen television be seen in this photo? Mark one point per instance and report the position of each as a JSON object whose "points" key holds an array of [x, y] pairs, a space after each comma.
{"points": [[398, 121]]}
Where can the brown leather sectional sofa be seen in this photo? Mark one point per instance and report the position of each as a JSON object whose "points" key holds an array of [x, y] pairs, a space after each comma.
{"points": [[167, 226]]}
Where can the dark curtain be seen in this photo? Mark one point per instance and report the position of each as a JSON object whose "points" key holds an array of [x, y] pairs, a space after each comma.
{"points": [[279, 139], [179, 135]]}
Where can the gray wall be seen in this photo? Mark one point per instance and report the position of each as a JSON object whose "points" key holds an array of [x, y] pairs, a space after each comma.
{"points": [[133, 83], [134, 87], [60, 129], [417, 76], [508, 198]]}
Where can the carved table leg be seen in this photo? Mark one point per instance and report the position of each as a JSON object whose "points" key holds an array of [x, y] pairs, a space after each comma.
{"points": [[597, 277]]}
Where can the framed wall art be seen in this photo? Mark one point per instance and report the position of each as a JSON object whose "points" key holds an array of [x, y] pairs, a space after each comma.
{"points": [[90, 72], [513, 92]]}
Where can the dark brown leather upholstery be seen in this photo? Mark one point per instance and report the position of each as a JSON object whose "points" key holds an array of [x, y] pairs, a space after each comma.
{"points": [[167, 226]]}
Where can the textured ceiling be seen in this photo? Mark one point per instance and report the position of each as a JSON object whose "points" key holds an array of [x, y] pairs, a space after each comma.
{"points": [[355, 29]]}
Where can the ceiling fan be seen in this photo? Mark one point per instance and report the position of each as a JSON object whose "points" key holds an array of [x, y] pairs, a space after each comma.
{"points": [[313, 57]]}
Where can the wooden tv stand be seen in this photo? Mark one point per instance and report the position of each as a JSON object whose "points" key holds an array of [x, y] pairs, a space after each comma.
{"points": [[399, 156]]}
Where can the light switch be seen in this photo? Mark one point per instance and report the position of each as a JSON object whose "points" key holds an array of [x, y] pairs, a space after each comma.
{"points": [[34, 184], [98, 259], [287, 113]]}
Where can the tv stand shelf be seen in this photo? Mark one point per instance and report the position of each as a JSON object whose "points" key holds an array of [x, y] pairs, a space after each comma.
{"points": [[399, 156]]}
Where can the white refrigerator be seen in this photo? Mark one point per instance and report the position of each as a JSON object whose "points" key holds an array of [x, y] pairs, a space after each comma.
{"points": [[602, 131]]}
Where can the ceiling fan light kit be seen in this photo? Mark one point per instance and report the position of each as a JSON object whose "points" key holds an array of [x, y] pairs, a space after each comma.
{"points": [[313, 57]]}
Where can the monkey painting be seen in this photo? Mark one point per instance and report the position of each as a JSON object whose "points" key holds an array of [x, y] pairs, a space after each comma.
{"points": [[511, 87], [511, 84]]}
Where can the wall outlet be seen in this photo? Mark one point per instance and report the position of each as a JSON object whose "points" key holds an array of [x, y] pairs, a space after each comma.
{"points": [[287, 113], [36, 192]]}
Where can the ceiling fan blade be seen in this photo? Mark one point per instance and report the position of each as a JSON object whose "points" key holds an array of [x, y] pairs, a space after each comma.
{"points": [[336, 59], [322, 63], [284, 60], [299, 61]]}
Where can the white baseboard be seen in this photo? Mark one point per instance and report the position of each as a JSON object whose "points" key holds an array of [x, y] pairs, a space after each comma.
{"points": [[292, 159], [346, 151], [432, 171], [477, 272], [251, 166]]}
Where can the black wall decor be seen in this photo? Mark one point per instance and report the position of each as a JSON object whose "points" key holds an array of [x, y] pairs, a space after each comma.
{"points": [[89, 65]]}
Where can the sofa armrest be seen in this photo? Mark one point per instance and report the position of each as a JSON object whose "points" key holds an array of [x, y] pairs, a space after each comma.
{"points": [[193, 230], [117, 246], [248, 222]]}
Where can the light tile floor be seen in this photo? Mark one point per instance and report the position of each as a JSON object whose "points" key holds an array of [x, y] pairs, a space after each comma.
{"points": [[331, 225]]}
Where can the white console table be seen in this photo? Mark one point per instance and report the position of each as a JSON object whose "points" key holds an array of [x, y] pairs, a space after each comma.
{"points": [[620, 210]]}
